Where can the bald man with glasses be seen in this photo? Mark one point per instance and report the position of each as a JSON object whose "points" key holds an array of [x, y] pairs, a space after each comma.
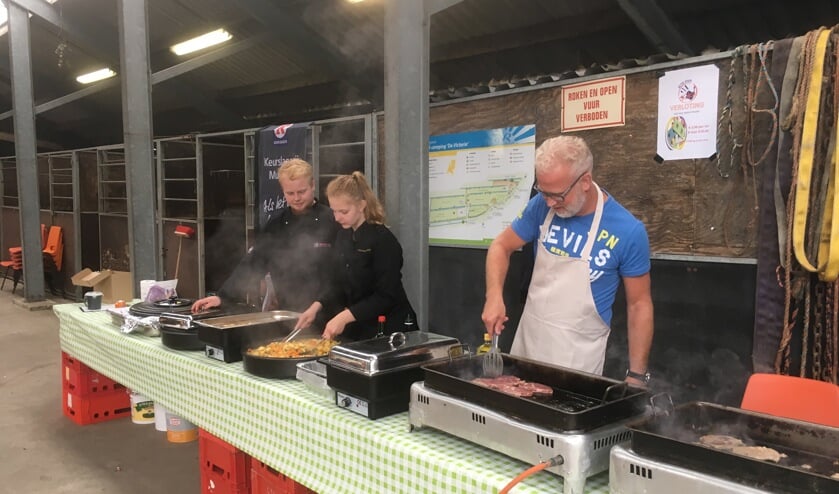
{"points": [[586, 243]]}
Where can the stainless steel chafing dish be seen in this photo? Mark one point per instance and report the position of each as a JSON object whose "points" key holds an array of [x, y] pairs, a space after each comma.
{"points": [[374, 377], [394, 352]]}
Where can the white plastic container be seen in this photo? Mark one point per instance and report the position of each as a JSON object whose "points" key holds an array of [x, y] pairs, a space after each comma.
{"points": [[159, 417]]}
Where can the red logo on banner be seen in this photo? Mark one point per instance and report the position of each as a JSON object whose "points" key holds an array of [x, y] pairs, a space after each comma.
{"points": [[280, 131]]}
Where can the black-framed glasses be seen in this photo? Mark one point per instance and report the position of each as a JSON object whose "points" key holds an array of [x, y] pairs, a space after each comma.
{"points": [[559, 196]]}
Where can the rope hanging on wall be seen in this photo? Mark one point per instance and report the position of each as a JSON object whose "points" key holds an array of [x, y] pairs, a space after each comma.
{"points": [[745, 140], [810, 258]]}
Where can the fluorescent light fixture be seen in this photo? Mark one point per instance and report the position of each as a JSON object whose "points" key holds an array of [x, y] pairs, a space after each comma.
{"points": [[201, 42], [96, 75], [355, 1]]}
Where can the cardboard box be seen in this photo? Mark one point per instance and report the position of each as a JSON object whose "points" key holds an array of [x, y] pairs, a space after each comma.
{"points": [[114, 285]]}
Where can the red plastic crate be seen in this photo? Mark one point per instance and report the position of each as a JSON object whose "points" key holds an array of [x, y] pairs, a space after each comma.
{"points": [[81, 380], [93, 409], [266, 480], [213, 482], [224, 468]]}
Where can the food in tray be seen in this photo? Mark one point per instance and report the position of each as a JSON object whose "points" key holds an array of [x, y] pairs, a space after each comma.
{"points": [[759, 453], [309, 347], [720, 441], [514, 386], [738, 447]]}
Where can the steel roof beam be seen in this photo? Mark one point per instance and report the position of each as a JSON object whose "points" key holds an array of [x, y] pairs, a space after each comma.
{"points": [[77, 34], [434, 6], [208, 58], [656, 26], [158, 77], [287, 27]]}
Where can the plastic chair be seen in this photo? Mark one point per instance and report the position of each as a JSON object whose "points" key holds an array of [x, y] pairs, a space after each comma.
{"points": [[16, 253], [793, 397], [9, 265], [55, 246]]}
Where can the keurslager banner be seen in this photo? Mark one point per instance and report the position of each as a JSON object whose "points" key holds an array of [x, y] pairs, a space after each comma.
{"points": [[275, 144]]}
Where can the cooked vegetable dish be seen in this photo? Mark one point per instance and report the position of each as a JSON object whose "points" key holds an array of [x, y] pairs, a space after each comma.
{"points": [[309, 347]]}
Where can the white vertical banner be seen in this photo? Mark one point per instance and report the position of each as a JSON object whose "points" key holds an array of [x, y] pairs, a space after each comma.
{"points": [[687, 113]]}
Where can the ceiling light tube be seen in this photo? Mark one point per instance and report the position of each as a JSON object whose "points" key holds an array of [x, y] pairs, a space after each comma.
{"points": [[96, 75], [201, 42]]}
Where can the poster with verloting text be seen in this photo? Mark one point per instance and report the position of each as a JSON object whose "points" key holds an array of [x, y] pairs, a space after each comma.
{"points": [[478, 182], [687, 113]]}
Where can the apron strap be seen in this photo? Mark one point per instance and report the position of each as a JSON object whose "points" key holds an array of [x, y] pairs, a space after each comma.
{"points": [[595, 224]]}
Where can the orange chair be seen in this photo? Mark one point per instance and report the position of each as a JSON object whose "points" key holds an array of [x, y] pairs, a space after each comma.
{"points": [[16, 253], [793, 397], [9, 265], [55, 246]]}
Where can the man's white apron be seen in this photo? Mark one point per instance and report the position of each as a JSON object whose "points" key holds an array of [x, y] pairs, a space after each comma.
{"points": [[560, 324]]}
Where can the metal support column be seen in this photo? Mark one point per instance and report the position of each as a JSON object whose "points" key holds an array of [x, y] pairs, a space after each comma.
{"points": [[406, 137], [137, 127], [200, 219], [25, 152], [77, 217], [406, 141]]}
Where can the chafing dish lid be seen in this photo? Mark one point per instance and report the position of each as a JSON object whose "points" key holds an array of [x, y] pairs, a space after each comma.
{"points": [[250, 319], [399, 350]]}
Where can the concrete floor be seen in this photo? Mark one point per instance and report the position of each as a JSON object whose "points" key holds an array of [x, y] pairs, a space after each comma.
{"points": [[43, 451]]}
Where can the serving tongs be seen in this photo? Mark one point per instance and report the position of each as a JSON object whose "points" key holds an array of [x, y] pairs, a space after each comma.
{"points": [[493, 363], [292, 335]]}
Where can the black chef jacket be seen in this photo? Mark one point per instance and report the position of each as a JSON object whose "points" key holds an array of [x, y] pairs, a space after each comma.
{"points": [[369, 281], [296, 251]]}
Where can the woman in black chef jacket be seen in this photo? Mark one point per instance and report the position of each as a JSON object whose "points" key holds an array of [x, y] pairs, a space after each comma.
{"points": [[369, 270]]}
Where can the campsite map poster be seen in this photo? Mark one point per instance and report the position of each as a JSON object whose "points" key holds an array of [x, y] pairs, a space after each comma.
{"points": [[478, 182]]}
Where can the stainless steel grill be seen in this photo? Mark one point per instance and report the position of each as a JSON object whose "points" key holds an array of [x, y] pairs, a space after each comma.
{"points": [[630, 473], [583, 453]]}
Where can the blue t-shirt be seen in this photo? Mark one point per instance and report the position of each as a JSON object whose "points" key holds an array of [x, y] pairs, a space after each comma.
{"points": [[621, 248]]}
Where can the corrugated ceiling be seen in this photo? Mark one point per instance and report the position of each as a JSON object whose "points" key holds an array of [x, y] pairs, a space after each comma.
{"points": [[320, 55]]}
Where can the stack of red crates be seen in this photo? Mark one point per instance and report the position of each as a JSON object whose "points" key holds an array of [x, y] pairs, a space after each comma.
{"points": [[224, 468], [266, 480], [88, 397]]}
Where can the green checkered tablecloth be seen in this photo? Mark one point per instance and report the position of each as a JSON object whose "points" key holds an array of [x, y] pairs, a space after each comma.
{"points": [[292, 428]]}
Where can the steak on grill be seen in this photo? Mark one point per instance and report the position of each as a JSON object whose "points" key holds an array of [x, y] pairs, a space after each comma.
{"points": [[515, 386]]}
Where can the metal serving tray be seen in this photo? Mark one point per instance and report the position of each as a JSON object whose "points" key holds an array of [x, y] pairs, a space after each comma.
{"points": [[313, 374], [394, 352], [226, 335], [252, 319]]}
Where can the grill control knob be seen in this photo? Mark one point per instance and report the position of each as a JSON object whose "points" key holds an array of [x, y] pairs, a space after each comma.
{"points": [[345, 402]]}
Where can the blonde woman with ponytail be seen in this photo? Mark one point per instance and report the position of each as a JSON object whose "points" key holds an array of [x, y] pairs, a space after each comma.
{"points": [[369, 264]]}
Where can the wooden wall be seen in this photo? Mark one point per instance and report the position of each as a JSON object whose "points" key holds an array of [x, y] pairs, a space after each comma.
{"points": [[685, 204]]}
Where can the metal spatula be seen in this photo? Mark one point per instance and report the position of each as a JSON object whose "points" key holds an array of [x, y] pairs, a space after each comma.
{"points": [[493, 364]]}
